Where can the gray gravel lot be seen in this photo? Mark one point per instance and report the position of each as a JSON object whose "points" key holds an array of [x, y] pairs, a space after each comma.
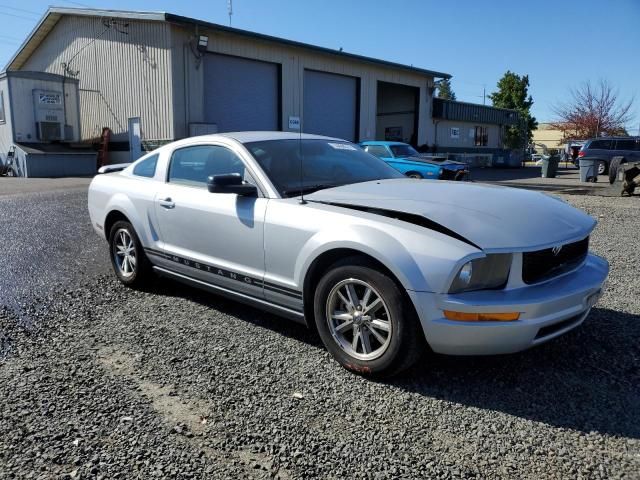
{"points": [[98, 381]]}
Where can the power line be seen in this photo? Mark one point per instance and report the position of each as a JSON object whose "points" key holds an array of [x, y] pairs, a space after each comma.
{"points": [[77, 3], [7, 37], [31, 19], [20, 10]]}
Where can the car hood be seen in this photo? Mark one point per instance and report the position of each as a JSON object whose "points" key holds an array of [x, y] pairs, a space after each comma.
{"points": [[492, 217]]}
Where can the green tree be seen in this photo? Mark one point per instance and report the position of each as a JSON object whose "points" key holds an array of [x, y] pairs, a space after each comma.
{"points": [[444, 90], [513, 93]]}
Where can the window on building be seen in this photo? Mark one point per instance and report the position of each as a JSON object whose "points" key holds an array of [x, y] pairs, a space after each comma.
{"points": [[193, 165], [2, 116], [481, 137], [378, 150], [147, 167]]}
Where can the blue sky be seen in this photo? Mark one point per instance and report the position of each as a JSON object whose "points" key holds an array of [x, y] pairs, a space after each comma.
{"points": [[559, 44]]}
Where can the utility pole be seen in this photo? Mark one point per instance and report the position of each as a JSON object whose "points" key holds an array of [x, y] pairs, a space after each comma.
{"points": [[484, 95], [230, 9]]}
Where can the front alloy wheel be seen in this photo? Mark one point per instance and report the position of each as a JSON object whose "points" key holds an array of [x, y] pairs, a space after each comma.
{"points": [[358, 319], [365, 320]]}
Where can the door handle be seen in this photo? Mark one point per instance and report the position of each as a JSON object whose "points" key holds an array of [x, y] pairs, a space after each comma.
{"points": [[166, 202]]}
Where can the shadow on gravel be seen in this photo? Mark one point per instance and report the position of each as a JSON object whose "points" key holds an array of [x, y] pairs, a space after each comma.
{"points": [[237, 309], [586, 380]]}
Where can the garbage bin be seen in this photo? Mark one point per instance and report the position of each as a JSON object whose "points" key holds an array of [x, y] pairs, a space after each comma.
{"points": [[549, 166], [588, 170]]}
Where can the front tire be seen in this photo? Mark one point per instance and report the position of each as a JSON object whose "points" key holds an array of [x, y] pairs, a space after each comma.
{"points": [[128, 259], [365, 321], [415, 175]]}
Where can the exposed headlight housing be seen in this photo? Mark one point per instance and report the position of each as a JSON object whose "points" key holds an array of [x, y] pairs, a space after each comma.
{"points": [[490, 272]]}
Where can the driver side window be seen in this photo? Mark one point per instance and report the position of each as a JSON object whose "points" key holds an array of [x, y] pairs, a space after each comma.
{"points": [[192, 166]]}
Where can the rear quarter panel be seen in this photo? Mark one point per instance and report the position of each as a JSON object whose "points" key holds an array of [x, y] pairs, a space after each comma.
{"points": [[133, 197]]}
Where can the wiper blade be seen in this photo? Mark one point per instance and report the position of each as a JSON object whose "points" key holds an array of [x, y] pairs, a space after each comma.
{"points": [[307, 189]]}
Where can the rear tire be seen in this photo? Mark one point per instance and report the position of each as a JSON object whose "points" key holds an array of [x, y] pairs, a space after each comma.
{"points": [[373, 334], [613, 168], [129, 262]]}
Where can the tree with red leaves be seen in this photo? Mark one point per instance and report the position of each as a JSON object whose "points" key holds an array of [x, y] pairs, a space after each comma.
{"points": [[592, 111]]}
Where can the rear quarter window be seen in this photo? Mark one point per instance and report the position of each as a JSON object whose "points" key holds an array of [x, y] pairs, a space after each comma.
{"points": [[377, 150], [147, 167], [600, 145], [628, 144]]}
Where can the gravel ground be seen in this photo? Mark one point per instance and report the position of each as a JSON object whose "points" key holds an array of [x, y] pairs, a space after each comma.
{"points": [[98, 381]]}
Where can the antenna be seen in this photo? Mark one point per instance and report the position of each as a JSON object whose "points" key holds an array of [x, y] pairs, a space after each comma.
{"points": [[302, 200], [230, 9]]}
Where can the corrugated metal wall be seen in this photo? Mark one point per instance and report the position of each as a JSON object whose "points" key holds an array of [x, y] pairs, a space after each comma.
{"points": [[6, 137], [466, 134], [466, 112], [121, 75], [294, 61]]}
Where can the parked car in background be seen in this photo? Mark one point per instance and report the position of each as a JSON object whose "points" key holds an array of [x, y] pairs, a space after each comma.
{"points": [[602, 150], [381, 265], [406, 159]]}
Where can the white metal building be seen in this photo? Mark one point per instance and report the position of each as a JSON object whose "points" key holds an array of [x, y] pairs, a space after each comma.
{"points": [[40, 125], [183, 76]]}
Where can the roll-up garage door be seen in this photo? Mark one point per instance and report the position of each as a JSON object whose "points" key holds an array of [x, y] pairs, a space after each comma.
{"points": [[330, 105], [241, 94]]}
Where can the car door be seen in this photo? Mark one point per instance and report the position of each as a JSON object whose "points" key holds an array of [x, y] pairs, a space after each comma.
{"points": [[212, 237]]}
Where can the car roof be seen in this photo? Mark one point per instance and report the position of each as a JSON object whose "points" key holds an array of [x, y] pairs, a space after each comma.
{"points": [[261, 136], [382, 142], [629, 137]]}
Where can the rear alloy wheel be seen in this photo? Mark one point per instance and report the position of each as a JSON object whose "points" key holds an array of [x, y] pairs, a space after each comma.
{"points": [[602, 167], [364, 320], [414, 175], [127, 255]]}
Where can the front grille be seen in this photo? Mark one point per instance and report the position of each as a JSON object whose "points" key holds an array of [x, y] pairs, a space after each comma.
{"points": [[448, 174], [545, 264]]}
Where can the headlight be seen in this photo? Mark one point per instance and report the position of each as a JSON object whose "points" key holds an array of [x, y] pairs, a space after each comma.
{"points": [[489, 272]]}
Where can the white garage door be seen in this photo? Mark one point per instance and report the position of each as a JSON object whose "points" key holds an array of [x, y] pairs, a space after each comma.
{"points": [[330, 105], [241, 94]]}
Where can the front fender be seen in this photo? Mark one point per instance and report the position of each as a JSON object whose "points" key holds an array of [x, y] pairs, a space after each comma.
{"points": [[387, 250]]}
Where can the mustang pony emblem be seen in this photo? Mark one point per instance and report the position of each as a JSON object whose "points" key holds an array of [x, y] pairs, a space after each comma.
{"points": [[556, 250]]}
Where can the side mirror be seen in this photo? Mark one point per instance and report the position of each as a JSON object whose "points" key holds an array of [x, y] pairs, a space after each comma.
{"points": [[231, 183]]}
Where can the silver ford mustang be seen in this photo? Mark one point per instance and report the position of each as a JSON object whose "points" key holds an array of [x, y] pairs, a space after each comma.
{"points": [[382, 266]]}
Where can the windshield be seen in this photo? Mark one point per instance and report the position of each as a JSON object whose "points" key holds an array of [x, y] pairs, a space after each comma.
{"points": [[403, 151], [326, 163]]}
